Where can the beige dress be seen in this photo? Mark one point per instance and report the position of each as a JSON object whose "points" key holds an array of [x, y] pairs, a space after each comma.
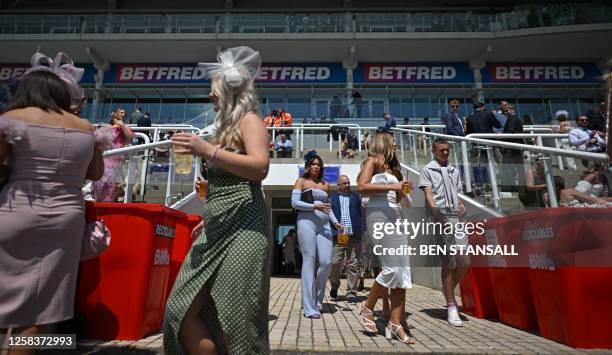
{"points": [[41, 222]]}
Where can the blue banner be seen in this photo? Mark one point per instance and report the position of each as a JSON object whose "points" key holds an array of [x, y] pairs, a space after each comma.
{"points": [[413, 73], [330, 174], [541, 73], [16, 71], [190, 73]]}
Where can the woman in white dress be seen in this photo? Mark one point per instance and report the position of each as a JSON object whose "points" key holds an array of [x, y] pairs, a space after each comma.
{"points": [[380, 179]]}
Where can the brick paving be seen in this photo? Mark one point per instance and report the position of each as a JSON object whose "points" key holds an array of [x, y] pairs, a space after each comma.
{"points": [[339, 330]]}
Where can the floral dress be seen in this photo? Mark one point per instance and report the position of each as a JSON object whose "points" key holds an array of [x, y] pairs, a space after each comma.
{"points": [[105, 189]]}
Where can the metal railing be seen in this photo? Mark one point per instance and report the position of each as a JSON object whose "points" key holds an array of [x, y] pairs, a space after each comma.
{"points": [[340, 22], [413, 145], [138, 157], [541, 152]]}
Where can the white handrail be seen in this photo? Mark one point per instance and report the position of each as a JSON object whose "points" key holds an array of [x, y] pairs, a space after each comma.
{"points": [[502, 144], [489, 144]]}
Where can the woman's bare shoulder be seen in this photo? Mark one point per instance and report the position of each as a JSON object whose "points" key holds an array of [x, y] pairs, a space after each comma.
{"points": [[252, 118]]}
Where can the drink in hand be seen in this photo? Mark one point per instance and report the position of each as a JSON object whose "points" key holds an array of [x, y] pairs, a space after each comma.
{"points": [[203, 188], [343, 240], [407, 189], [182, 162]]}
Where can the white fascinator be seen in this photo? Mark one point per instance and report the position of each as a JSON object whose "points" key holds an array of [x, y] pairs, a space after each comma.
{"points": [[234, 65], [62, 66]]}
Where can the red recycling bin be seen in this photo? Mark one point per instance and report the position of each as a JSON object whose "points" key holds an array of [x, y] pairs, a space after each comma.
{"points": [[182, 245], [477, 296], [574, 302], [513, 297], [574, 305], [509, 276], [122, 293]]}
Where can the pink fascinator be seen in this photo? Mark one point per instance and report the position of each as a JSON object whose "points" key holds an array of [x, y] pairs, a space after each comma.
{"points": [[63, 67]]}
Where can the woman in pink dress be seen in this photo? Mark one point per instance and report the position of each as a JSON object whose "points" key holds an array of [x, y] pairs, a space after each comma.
{"points": [[46, 153], [105, 190]]}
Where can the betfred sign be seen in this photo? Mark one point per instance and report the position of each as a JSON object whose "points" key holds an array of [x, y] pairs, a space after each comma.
{"points": [[16, 71], [414, 73], [155, 73], [540, 73], [10, 71], [183, 73], [301, 74]]}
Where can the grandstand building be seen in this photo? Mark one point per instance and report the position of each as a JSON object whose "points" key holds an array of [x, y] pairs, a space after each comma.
{"points": [[407, 58]]}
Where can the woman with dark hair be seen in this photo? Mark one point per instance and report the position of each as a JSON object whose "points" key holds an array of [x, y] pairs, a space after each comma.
{"points": [[105, 190], [310, 197], [46, 153], [569, 197]]}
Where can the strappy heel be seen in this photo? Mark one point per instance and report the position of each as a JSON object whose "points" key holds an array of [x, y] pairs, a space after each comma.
{"points": [[391, 331], [368, 324]]}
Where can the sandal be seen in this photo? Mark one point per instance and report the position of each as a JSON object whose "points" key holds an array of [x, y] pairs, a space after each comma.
{"points": [[392, 331], [368, 324]]}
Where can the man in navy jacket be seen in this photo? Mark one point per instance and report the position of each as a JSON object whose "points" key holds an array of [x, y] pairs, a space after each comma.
{"points": [[453, 120], [347, 209]]}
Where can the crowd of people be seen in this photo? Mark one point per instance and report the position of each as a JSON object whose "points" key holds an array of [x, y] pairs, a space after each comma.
{"points": [[219, 302], [334, 232], [588, 135]]}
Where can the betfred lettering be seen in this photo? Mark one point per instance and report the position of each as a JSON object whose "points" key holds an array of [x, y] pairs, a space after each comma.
{"points": [[299, 73], [539, 72], [9, 72], [406, 72], [164, 231], [158, 73], [162, 257]]}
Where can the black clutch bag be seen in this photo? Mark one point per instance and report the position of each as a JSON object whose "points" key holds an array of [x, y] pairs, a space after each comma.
{"points": [[307, 196]]}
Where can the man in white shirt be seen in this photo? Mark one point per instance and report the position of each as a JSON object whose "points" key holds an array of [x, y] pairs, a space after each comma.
{"points": [[284, 147], [585, 139], [441, 184]]}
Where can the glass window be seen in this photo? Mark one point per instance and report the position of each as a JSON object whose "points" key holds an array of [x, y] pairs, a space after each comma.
{"points": [[395, 107], [534, 108], [167, 113], [299, 108], [421, 107], [322, 108], [558, 104], [585, 105], [377, 108]]}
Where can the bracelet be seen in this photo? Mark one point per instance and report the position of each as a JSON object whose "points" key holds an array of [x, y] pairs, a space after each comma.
{"points": [[214, 154]]}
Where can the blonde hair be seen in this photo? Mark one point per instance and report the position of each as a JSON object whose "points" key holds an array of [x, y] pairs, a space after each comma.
{"points": [[382, 153], [234, 103]]}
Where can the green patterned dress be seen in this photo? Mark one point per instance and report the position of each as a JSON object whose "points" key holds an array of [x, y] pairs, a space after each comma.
{"points": [[232, 259]]}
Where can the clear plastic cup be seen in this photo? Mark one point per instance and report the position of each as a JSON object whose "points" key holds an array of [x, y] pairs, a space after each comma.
{"points": [[203, 189], [406, 189], [343, 240], [183, 163]]}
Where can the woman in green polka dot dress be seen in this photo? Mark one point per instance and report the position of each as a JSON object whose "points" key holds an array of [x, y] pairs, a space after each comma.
{"points": [[219, 303]]}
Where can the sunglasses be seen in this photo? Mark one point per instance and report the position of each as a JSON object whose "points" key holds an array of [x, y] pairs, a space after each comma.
{"points": [[455, 106]]}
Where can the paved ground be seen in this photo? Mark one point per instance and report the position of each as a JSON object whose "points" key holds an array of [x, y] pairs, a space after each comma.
{"points": [[339, 331]]}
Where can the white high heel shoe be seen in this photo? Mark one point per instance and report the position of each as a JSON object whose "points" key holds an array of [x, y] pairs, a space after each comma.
{"points": [[368, 324], [391, 331]]}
